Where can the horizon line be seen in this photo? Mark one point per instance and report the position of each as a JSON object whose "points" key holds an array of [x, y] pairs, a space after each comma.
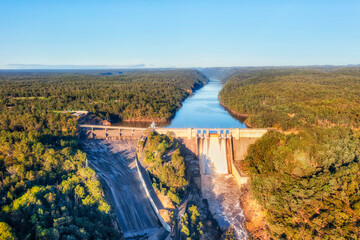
{"points": [[144, 66]]}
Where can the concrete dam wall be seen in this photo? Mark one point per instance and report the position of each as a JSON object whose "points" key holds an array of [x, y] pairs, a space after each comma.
{"points": [[220, 178], [217, 149]]}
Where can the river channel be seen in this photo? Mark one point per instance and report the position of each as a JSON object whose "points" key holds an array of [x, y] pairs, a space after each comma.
{"points": [[200, 110]]}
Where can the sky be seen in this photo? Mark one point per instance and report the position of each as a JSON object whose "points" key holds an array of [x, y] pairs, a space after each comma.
{"points": [[171, 33]]}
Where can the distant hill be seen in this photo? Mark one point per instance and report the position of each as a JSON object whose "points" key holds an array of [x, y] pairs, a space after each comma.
{"points": [[222, 73], [225, 73]]}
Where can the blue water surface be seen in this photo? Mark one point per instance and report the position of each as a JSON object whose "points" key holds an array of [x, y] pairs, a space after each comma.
{"points": [[203, 110]]}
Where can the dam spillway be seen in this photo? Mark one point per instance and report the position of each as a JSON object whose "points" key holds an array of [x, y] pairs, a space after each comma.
{"points": [[218, 185], [212, 155]]}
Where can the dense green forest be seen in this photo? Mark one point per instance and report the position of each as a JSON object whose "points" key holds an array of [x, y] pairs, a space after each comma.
{"points": [[294, 98], [308, 183], [191, 225], [307, 180], [166, 165], [47, 190], [132, 95]]}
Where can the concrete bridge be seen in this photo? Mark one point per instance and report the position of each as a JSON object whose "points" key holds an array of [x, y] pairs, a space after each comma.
{"points": [[114, 132]]}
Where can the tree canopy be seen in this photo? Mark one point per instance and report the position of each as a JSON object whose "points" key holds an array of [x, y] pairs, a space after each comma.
{"points": [[293, 98], [143, 95], [307, 180], [166, 165]]}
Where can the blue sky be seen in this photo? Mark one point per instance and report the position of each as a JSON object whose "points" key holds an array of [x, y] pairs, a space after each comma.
{"points": [[178, 33]]}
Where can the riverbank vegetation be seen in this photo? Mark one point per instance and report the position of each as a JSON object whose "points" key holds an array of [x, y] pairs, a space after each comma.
{"points": [[47, 191], [307, 179], [295, 98], [308, 183], [166, 165], [191, 225], [135, 95]]}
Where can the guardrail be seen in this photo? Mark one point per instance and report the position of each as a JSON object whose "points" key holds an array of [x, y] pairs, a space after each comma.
{"points": [[192, 132]]}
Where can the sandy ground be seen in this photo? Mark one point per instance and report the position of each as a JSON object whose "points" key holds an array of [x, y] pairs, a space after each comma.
{"points": [[115, 164], [223, 195]]}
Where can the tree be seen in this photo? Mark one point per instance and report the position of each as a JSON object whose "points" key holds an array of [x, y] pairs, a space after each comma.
{"points": [[6, 232], [230, 233]]}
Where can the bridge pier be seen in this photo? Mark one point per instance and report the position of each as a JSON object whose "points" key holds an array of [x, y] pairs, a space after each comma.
{"points": [[189, 133], [92, 133], [230, 155], [237, 133]]}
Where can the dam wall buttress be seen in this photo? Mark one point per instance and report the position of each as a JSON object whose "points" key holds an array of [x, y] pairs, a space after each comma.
{"points": [[240, 147]]}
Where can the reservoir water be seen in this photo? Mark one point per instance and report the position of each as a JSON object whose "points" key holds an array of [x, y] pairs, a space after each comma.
{"points": [[203, 110], [200, 110]]}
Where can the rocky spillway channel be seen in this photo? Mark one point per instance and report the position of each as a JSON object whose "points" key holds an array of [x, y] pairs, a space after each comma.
{"points": [[223, 195]]}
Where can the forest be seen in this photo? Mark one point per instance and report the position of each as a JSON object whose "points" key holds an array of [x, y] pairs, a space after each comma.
{"points": [[47, 189], [295, 98], [191, 225], [306, 176], [166, 165], [133, 95]]}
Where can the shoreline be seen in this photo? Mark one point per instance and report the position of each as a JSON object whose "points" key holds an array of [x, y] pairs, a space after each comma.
{"points": [[240, 116], [144, 120], [190, 92]]}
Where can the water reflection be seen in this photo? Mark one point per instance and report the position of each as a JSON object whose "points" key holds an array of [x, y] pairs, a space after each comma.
{"points": [[201, 110]]}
